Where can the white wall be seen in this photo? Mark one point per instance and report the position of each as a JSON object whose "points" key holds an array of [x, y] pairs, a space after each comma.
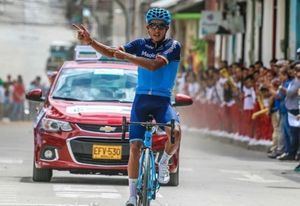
{"points": [[239, 43], [217, 50], [248, 32], [280, 28], [230, 50], [267, 32]]}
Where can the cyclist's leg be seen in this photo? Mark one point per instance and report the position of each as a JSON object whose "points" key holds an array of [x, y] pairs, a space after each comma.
{"points": [[136, 137], [164, 115], [133, 165]]}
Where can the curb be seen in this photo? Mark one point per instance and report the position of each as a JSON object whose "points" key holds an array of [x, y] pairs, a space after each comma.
{"points": [[233, 139]]}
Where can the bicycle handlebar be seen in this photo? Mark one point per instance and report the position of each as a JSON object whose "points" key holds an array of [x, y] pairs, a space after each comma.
{"points": [[148, 124]]}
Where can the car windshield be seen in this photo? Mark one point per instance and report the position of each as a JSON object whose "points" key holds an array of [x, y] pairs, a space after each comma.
{"points": [[96, 84]]}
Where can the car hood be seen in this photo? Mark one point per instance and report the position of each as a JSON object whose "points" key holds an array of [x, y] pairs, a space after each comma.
{"points": [[86, 112]]}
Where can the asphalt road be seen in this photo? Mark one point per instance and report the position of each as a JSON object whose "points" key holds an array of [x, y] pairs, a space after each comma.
{"points": [[211, 174]]}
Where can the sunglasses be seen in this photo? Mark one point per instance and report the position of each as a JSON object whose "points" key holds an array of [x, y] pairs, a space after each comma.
{"points": [[160, 26]]}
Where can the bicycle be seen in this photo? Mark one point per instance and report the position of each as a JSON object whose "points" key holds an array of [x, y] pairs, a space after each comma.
{"points": [[147, 183]]}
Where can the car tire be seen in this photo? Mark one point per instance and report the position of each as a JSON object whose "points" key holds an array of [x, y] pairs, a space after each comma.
{"points": [[174, 178], [41, 175]]}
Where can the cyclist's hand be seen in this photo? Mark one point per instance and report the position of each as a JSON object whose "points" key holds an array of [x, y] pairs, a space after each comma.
{"points": [[119, 54], [83, 34]]}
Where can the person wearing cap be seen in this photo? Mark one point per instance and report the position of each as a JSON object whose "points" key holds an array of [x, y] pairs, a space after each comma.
{"points": [[158, 59]]}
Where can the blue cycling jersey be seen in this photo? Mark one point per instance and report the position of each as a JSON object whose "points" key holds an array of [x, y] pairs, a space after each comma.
{"points": [[161, 81]]}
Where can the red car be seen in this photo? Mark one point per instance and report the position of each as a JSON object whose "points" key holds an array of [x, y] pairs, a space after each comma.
{"points": [[78, 129]]}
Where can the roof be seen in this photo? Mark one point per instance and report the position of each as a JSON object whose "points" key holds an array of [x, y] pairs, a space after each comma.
{"points": [[99, 64]]}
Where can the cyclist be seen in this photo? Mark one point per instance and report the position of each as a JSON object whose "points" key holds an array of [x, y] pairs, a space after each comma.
{"points": [[157, 58]]}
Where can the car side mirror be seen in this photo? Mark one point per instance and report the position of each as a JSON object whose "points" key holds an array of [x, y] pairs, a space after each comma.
{"points": [[35, 95], [182, 100]]}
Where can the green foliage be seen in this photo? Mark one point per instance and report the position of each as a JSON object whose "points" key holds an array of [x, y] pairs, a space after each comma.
{"points": [[199, 45]]}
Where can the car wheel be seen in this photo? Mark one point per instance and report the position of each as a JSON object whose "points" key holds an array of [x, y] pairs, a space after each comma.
{"points": [[41, 175], [174, 178]]}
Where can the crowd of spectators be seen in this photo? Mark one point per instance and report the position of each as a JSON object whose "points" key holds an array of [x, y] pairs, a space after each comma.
{"points": [[261, 102], [13, 105]]}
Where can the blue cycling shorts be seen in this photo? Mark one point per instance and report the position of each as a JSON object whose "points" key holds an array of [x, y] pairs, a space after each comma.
{"points": [[157, 106]]}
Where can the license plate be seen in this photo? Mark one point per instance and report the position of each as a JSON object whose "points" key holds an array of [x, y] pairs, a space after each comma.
{"points": [[111, 152]]}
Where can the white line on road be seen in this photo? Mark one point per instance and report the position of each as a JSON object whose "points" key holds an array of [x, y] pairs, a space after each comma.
{"points": [[11, 161], [89, 195], [249, 177], [256, 178], [83, 191], [186, 169], [8, 193]]}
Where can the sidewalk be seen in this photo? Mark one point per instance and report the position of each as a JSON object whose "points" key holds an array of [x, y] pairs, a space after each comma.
{"points": [[229, 138]]}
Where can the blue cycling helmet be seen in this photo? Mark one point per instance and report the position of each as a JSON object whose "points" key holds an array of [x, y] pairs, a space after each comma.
{"points": [[158, 14]]}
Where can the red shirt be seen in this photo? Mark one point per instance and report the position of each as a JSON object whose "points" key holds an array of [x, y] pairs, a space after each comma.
{"points": [[18, 93]]}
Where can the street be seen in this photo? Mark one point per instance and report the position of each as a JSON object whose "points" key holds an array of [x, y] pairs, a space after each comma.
{"points": [[211, 174]]}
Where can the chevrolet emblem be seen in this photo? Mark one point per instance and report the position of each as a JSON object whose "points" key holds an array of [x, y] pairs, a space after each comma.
{"points": [[107, 129]]}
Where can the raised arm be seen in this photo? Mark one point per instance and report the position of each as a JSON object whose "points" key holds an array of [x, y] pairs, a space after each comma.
{"points": [[150, 64], [84, 36]]}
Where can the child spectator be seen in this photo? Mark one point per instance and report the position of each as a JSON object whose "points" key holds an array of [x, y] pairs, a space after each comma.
{"points": [[249, 99]]}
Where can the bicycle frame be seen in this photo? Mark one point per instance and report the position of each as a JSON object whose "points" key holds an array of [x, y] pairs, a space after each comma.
{"points": [[147, 162], [147, 179]]}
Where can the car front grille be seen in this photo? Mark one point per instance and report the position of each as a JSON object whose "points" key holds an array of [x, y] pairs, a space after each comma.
{"points": [[82, 151], [101, 128]]}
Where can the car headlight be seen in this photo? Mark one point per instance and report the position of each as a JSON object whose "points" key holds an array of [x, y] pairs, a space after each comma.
{"points": [[53, 125]]}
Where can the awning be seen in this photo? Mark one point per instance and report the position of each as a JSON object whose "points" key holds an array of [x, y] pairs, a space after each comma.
{"points": [[187, 16], [182, 6], [164, 3]]}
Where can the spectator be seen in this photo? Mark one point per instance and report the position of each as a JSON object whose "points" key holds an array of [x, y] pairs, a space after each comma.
{"points": [[249, 99], [33, 106], [273, 64], [8, 87], [181, 82], [193, 86], [277, 137], [263, 127], [2, 96], [258, 66], [292, 105], [18, 97], [285, 81]]}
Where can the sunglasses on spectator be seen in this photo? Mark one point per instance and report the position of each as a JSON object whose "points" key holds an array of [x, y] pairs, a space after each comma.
{"points": [[160, 26]]}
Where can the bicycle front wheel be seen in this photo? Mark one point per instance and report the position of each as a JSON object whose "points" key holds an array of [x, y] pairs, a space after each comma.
{"points": [[146, 178]]}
